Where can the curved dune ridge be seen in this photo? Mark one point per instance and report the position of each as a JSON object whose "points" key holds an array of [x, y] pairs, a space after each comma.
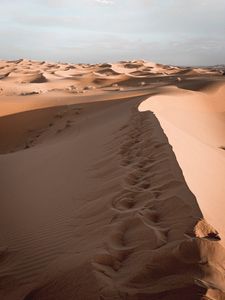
{"points": [[195, 125], [94, 202]]}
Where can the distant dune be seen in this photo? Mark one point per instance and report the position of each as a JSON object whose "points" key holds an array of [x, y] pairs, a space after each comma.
{"points": [[112, 181]]}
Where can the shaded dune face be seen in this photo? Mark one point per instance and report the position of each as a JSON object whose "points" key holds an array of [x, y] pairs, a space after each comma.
{"points": [[34, 78], [158, 255], [31, 128], [107, 71]]}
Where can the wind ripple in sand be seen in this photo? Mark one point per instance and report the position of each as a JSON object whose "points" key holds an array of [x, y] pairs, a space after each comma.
{"points": [[152, 250]]}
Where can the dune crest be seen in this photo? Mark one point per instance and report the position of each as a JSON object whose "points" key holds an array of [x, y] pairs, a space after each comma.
{"points": [[194, 124]]}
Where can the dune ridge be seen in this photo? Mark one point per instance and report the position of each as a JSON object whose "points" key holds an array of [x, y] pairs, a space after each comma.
{"points": [[202, 138]]}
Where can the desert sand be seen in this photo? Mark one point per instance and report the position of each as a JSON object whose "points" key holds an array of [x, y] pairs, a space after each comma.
{"points": [[112, 181]]}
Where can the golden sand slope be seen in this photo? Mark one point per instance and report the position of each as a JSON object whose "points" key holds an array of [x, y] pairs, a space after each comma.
{"points": [[93, 202]]}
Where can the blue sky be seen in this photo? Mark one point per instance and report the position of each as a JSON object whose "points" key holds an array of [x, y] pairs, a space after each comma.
{"points": [[180, 32]]}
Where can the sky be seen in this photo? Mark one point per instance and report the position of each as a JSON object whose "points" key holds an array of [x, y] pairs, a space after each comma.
{"points": [[178, 32]]}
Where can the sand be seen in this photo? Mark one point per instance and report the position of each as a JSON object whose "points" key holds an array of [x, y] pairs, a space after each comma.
{"points": [[111, 181], [194, 123]]}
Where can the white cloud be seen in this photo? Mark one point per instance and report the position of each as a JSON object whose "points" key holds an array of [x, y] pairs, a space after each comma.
{"points": [[107, 2], [172, 31]]}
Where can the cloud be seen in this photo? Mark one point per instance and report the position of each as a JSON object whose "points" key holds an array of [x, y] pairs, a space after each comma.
{"points": [[172, 31], [47, 21], [107, 2]]}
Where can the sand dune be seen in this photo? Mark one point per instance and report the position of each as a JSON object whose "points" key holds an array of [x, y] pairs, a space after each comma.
{"points": [[94, 202], [195, 125], [107, 72], [33, 78], [16, 77]]}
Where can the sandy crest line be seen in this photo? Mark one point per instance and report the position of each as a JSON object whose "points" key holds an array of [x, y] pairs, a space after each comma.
{"points": [[195, 126]]}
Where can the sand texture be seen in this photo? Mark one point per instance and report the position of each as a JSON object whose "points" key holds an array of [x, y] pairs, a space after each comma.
{"points": [[112, 181]]}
